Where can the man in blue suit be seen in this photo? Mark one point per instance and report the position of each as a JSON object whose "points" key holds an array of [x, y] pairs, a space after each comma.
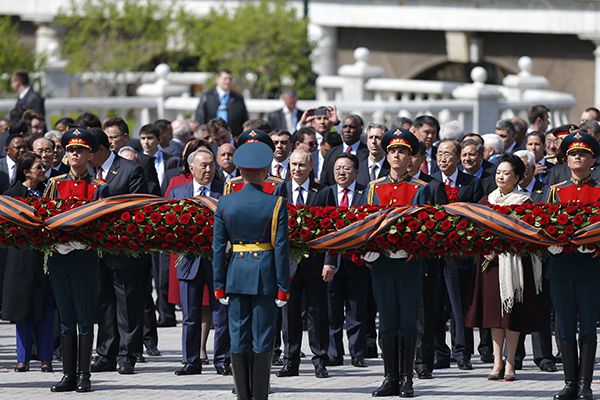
{"points": [[255, 281], [194, 272]]}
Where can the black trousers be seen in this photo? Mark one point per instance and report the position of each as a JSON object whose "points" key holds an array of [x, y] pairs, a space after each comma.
{"points": [[150, 332], [120, 308], [426, 319], [314, 290], [160, 273]]}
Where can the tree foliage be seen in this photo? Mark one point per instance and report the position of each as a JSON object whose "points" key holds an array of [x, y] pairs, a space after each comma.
{"points": [[13, 55], [109, 36], [264, 44]]}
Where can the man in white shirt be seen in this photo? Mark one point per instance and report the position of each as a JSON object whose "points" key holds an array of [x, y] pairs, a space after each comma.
{"points": [[376, 165], [149, 140], [289, 115]]}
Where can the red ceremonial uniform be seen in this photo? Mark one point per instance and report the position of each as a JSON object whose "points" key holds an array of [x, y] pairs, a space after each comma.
{"points": [[67, 187], [387, 192], [574, 191]]}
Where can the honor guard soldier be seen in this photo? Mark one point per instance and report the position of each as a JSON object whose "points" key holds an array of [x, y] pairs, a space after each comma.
{"points": [[74, 269], [397, 282], [271, 183], [575, 277], [255, 281]]}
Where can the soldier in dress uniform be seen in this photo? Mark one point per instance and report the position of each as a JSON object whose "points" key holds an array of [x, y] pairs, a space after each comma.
{"points": [[74, 269], [397, 282], [256, 280], [575, 277], [271, 183]]}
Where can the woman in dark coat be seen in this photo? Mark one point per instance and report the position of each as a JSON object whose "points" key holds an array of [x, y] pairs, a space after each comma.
{"points": [[27, 297], [505, 296]]}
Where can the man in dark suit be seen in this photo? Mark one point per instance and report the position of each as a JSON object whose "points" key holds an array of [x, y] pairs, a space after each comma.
{"points": [[150, 139], [223, 103], [307, 281], [121, 291], [28, 98], [347, 281], [288, 116], [280, 166], [351, 131], [427, 129], [472, 162], [457, 272], [194, 272], [376, 165]]}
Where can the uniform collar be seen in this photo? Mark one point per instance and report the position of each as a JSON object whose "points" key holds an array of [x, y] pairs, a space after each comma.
{"points": [[583, 181], [400, 179]]}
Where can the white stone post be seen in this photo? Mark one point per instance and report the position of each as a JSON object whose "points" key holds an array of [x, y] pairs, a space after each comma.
{"points": [[596, 40], [325, 53], [485, 102]]}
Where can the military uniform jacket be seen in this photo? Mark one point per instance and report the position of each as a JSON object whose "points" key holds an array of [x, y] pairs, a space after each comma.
{"points": [[66, 187], [250, 217], [574, 266], [387, 192]]}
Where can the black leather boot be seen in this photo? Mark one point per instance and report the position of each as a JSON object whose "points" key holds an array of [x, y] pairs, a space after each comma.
{"points": [[240, 366], [391, 384], [570, 367], [69, 349], [85, 359], [261, 372], [407, 362], [586, 370]]}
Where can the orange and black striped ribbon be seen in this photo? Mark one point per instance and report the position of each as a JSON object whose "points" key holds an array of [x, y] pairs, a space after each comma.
{"points": [[19, 213], [589, 234]]}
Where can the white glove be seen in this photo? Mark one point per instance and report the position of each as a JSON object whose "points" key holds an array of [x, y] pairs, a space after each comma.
{"points": [[554, 250], [370, 256], [66, 248], [398, 254], [224, 301], [584, 250], [280, 303]]}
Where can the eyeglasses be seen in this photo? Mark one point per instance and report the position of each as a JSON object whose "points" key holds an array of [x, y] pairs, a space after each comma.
{"points": [[445, 155]]}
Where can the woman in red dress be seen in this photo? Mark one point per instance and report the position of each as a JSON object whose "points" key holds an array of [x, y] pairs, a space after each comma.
{"points": [[505, 296]]}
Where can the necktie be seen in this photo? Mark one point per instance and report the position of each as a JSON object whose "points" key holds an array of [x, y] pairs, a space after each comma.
{"points": [[202, 191], [449, 182], [278, 170], [12, 176], [300, 198], [99, 173], [348, 149], [344, 201], [424, 167], [374, 169], [222, 110]]}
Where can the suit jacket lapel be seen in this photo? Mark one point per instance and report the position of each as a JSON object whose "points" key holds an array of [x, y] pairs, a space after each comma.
{"points": [[113, 170]]}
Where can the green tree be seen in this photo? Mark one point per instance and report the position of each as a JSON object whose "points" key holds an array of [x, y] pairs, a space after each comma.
{"points": [[108, 36], [13, 55], [265, 41]]}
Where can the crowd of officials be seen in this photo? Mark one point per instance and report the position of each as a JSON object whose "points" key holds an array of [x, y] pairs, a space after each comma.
{"points": [[397, 304]]}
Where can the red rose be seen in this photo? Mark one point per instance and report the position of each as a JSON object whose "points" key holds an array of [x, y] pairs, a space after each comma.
{"points": [[562, 219], [552, 230], [164, 246], [211, 220], [200, 219], [414, 225], [446, 225], [185, 218], [50, 205], [118, 228], [140, 237], [179, 230], [292, 210], [439, 215], [453, 236], [198, 238], [571, 210], [13, 231], [340, 223], [334, 215], [569, 229], [207, 231], [126, 216], [562, 238], [124, 240], [544, 219], [421, 237], [36, 204], [577, 219], [553, 208], [103, 226], [393, 238], [161, 229], [177, 208], [350, 216], [529, 219], [163, 208], [42, 211], [148, 229], [98, 236], [429, 224], [139, 217], [147, 209], [520, 209], [361, 215], [292, 223], [180, 245], [192, 209], [326, 223], [422, 215], [407, 237], [305, 233], [192, 229], [171, 219], [134, 246], [537, 210], [170, 238], [155, 217], [594, 218], [131, 228], [462, 225]]}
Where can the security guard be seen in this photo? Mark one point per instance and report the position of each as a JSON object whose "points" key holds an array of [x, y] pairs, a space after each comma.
{"points": [[255, 281], [74, 269], [271, 184], [575, 277], [397, 281]]}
